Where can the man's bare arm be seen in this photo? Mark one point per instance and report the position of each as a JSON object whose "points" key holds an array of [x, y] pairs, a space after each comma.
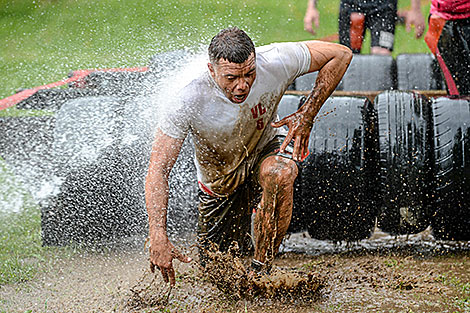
{"points": [[165, 150], [331, 60]]}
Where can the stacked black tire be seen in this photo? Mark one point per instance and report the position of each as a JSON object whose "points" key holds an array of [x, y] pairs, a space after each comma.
{"points": [[338, 182], [416, 165], [452, 153], [98, 142], [102, 198], [405, 160]]}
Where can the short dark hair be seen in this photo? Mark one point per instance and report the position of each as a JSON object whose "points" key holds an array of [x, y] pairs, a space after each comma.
{"points": [[232, 44]]}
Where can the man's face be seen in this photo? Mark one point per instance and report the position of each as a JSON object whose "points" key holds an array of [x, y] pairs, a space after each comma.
{"points": [[235, 79]]}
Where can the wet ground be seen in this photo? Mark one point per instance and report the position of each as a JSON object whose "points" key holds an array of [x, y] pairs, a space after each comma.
{"points": [[382, 274]]}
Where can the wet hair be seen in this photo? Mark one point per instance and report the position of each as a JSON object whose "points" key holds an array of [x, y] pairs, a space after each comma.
{"points": [[232, 44]]}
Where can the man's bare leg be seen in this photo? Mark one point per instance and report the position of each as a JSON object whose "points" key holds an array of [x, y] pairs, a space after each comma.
{"points": [[277, 175]]}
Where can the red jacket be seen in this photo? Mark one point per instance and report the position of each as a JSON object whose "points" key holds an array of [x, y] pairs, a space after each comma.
{"points": [[451, 9]]}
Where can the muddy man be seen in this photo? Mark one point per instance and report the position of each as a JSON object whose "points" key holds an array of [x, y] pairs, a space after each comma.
{"points": [[245, 159]]}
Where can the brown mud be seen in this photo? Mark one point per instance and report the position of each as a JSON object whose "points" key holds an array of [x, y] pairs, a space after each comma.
{"points": [[233, 276], [401, 278]]}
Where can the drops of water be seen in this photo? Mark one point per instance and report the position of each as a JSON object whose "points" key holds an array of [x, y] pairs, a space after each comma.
{"points": [[85, 161]]}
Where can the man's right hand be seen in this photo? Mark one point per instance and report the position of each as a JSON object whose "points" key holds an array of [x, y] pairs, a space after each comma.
{"points": [[162, 253]]}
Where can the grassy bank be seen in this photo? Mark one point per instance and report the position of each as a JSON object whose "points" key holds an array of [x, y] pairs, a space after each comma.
{"points": [[20, 242], [21, 252], [46, 39], [20, 246]]}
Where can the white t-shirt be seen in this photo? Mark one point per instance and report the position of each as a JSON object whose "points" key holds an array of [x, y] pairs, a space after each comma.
{"points": [[227, 136]]}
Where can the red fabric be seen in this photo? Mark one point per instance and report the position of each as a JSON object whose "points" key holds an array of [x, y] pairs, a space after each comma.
{"points": [[77, 78], [436, 24], [205, 189], [451, 9], [356, 31], [447, 75]]}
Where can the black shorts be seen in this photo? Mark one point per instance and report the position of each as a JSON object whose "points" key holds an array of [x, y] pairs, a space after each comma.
{"points": [[380, 19], [223, 220]]}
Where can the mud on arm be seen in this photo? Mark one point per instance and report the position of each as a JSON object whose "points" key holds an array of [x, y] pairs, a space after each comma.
{"points": [[165, 150], [331, 60]]}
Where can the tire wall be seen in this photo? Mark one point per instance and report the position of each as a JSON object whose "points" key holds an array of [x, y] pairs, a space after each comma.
{"points": [[361, 75], [92, 204], [369, 72], [336, 187], [418, 71], [288, 105], [452, 160], [405, 140]]}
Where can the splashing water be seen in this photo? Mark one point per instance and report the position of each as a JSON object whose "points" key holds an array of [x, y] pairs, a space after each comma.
{"points": [[85, 163]]}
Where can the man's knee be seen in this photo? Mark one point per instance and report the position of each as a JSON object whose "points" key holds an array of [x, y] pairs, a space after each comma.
{"points": [[279, 171]]}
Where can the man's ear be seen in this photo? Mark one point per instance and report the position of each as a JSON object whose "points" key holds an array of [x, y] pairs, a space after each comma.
{"points": [[211, 69]]}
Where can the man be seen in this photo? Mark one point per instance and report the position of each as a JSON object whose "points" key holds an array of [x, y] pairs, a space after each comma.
{"points": [[377, 15], [448, 37], [241, 154]]}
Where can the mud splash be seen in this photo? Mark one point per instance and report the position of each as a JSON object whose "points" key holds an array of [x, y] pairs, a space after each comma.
{"points": [[231, 275], [228, 272], [384, 273], [147, 293]]}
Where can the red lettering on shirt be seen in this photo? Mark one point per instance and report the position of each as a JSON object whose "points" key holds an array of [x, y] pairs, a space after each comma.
{"points": [[258, 110]]}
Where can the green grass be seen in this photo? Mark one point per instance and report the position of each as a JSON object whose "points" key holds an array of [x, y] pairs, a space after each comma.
{"points": [[20, 247], [463, 299], [44, 40], [14, 112], [20, 242], [21, 252]]}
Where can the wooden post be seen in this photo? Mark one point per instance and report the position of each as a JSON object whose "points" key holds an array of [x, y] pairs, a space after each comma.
{"points": [[369, 94]]}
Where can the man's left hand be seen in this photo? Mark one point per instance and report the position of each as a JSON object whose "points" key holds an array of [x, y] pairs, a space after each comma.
{"points": [[299, 131]]}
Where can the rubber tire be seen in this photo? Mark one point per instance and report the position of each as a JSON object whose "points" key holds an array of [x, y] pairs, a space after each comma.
{"points": [[53, 99], [452, 155], [339, 178], [306, 82], [288, 105], [88, 161], [25, 146], [94, 205], [419, 71], [365, 73], [406, 145], [369, 73], [115, 83]]}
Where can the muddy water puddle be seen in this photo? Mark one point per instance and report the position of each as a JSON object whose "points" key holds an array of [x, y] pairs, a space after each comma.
{"points": [[382, 274], [412, 273], [421, 244]]}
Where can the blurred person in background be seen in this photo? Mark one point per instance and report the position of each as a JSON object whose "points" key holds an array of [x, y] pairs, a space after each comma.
{"points": [[379, 16], [448, 38]]}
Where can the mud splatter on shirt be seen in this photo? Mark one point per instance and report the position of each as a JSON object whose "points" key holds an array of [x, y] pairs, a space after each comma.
{"points": [[227, 136]]}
